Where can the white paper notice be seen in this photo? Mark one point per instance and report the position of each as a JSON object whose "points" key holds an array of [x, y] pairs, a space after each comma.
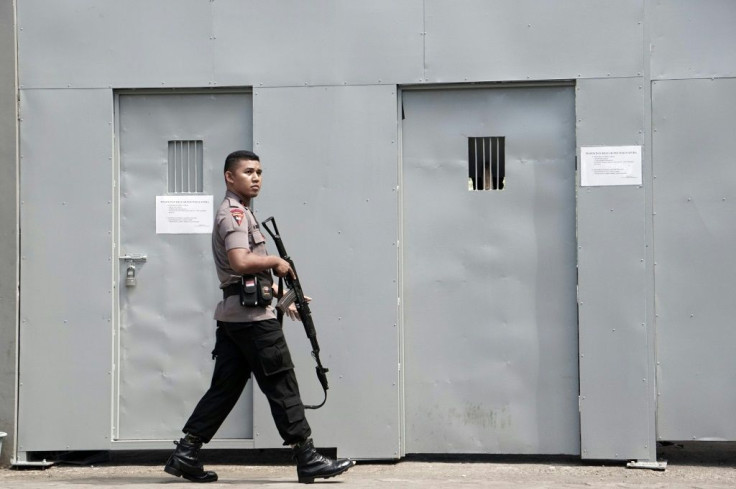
{"points": [[610, 165], [183, 214]]}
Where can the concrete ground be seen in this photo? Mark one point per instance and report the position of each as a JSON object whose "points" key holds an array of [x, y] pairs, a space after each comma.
{"points": [[687, 468]]}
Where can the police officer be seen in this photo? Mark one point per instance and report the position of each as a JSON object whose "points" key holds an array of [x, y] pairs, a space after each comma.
{"points": [[248, 339]]}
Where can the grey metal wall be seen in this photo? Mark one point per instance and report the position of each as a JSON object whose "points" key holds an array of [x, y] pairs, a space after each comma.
{"points": [[616, 377], [66, 262], [532, 40], [695, 201], [334, 44], [332, 186], [325, 42], [318, 67], [693, 117], [8, 227], [692, 39], [201, 43]]}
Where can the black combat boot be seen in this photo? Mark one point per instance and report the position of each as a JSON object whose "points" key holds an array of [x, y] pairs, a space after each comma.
{"points": [[184, 461], [310, 464]]}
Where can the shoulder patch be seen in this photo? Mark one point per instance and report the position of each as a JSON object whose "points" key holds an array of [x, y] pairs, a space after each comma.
{"points": [[238, 215]]}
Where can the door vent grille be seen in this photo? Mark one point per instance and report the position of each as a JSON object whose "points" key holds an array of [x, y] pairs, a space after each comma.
{"points": [[486, 163], [186, 167]]}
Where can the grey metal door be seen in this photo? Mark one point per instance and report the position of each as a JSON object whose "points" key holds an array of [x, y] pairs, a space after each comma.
{"points": [[172, 146], [489, 275]]}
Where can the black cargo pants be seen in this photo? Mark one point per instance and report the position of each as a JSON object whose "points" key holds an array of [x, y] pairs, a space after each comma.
{"points": [[257, 347]]}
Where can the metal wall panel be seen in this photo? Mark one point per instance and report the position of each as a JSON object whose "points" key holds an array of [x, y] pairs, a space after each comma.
{"points": [[693, 39], [8, 227], [332, 42], [479, 40], [229, 42], [66, 265], [330, 174], [108, 43], [616, 377], [695, 235]]}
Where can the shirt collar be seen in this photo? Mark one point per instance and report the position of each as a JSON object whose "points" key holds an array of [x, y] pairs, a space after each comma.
{"points": [[233, 196]]}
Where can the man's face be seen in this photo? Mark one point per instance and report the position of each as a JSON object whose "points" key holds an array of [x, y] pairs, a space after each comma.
{"points": [[245, 178]]}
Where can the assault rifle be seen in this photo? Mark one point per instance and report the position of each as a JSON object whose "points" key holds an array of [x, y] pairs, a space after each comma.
{"points": [[296, 295]]}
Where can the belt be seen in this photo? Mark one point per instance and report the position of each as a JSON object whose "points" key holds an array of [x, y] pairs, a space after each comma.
{"points": [[232, 289]]}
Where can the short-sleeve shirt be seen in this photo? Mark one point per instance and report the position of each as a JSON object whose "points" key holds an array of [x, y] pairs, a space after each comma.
{"points": [[236, 227]]}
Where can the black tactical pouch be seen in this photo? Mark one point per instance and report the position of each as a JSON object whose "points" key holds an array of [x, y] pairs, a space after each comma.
{"points": [[255, 292]]}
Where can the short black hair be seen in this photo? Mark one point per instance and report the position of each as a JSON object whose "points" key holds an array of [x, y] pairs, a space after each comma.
{"points": [[236, 156]]}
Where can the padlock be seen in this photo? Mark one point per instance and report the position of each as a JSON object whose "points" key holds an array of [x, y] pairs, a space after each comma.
{"points": [[130, 280]]}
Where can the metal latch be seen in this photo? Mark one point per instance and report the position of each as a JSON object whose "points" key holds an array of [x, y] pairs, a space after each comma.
{"points": [[132, 259]]}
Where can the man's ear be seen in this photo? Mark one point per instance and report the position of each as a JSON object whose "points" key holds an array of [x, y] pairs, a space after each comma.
{"points": [[229, 176]]}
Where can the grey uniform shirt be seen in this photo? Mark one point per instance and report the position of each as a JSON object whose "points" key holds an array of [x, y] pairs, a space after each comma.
{"points": [[236, 227]]}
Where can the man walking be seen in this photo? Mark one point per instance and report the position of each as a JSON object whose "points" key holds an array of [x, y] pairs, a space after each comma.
{"points": [[249, 338]]}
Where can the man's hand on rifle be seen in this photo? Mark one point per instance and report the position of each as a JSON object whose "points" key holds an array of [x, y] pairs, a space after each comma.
{"points": [[282, 269], [292, 311]]}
